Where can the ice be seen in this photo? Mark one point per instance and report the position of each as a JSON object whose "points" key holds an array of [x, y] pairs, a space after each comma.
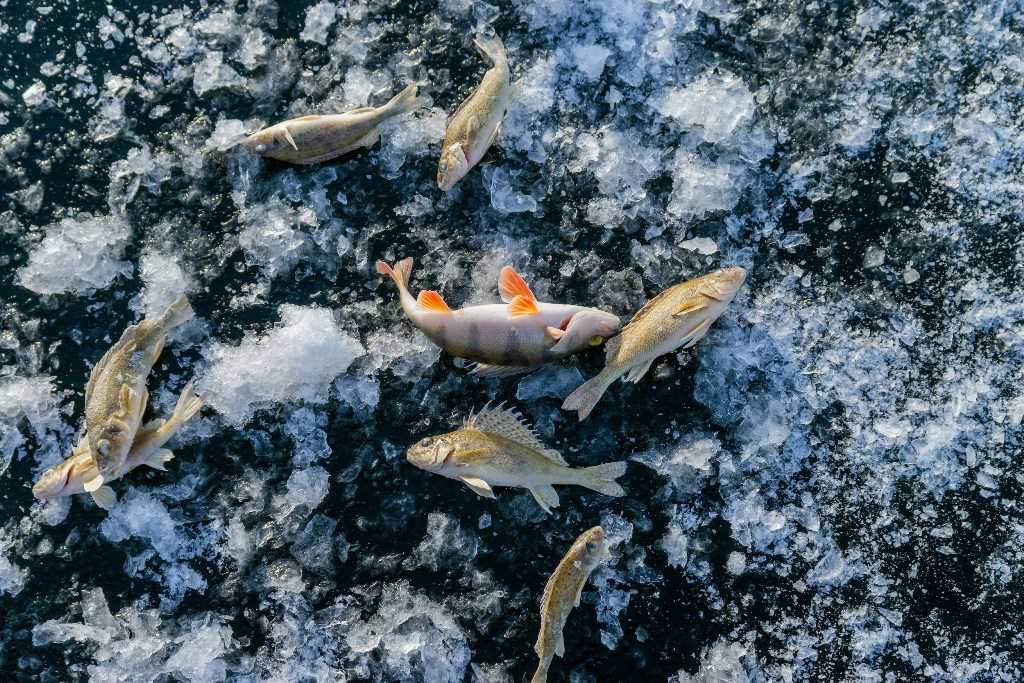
{"points": [[12, 577], [412, 638], [736, 564], [213, 74], [34, 400], [164, 281], [294, 361], [701, 187], [873, 257], [141, 515], [910, 275], [555, 381], [410, 135], [701, 245], [319, 19], [304, 491], [227, 134], [725, 662], [274, 237], [446, 545], [314, 547], [78, 256], [35, 95], [716, 103], [590, 60], [504, 197]]}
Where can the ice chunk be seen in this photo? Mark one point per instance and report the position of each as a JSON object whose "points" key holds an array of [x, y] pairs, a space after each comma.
{"points": [[35, 95], [910, 275], [305, 489], [295, 361], [274, 238], [412, 638], [164, 281], [701, 187], [34, 399], [736, 564], [874, 256], [590, 60], [78, 256], [725, 662], [446, 545], [701, 245], [140, 515], [226, 134], [555, 381], [213, 74], [504, 197], [319, 19], [716, 103], [410, 135], [12, 577], [314, 546]]}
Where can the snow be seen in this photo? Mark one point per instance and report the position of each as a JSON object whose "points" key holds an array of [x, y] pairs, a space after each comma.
{"points": [[78, 256], [294, 361]]}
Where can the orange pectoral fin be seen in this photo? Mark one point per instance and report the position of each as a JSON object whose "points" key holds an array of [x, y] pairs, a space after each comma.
{"points": [[522, 305], [511, 285], [432, 301]]}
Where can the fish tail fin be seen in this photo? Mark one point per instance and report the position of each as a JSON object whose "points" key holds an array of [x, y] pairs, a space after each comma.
{"points": [[588, 394], [400, 273], [601, 478], [404, 102], [177, 313], [188, 405], [491, 48]]}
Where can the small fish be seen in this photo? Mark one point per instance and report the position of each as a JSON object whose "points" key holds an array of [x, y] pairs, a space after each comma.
{"points": [[116, 395], [562, 594], [474, 125], [678, 317], [503, 339], [312, 139], [496, 448], [69, 477]]}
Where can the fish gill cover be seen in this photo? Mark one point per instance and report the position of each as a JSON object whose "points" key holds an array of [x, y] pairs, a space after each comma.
{"points": [[826, 488]]}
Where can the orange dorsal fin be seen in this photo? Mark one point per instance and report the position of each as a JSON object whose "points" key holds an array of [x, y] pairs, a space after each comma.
{"points": [[522, 305], [511, 285], [432, 301]]}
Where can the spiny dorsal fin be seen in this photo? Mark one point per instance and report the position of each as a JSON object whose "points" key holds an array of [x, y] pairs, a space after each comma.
{"points": [[511, 285], [507, 422], [522, 306]]}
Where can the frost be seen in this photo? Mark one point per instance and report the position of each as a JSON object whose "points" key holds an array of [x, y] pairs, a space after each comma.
{"points": [[295, 361], [78, 256]]}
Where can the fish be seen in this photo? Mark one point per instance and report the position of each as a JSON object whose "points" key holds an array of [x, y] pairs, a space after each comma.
{"points": [[315, 138], [116, 395], [679, 317], [562, 594], [474, 126], [69, 477], [495, 447], [503, 339]]}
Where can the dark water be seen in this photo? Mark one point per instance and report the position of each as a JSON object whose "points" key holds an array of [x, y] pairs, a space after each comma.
{"points": [[858, 518]]}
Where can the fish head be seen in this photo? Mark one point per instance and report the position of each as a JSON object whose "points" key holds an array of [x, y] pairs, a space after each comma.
{"points": [[65, 478], [586, 328], [431, 453], [723, 284], [452, 167], [112, 444], [593, 547]]}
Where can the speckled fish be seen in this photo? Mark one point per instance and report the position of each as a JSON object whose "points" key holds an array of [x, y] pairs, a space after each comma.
{"points": [[474, 125], [562, 593], [70, 476], [315, 138], [503, 339], [116, 395], [496, 448], [679, 317]]}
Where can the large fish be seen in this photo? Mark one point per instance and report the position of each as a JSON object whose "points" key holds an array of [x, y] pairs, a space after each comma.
{"points": [[475, 124], [316, 138], [69, 477], [503, 339], [562, 594], [679, 317], [496, 448], [116, 395]]}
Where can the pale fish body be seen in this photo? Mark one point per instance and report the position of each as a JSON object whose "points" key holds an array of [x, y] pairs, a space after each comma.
{"points": [[315, 138], [503, 339], [70, 476], [562, 594], [474, 125], [496, 448], [116, 395], [677, 318]]}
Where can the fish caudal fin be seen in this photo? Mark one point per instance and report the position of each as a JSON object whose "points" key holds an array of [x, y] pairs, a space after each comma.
{"points": [[177, 313], [491, 48], [588, 394], [400, 274], [601, 478], [404, 102]]}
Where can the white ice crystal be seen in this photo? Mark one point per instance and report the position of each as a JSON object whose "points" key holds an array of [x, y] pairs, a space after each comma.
{"points": [[78, 256], [294, 361], [319, 19], [163, 280], [213, 74], [716, 104]]}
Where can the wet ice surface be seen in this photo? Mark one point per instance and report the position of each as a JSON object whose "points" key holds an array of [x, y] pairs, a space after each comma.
{"points": [[827, 488]]}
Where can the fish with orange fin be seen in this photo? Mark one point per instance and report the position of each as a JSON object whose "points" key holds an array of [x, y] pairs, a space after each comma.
{"points": [[505, 339]]}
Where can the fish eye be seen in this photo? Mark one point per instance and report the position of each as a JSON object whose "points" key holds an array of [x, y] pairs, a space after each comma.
{"points": [[261, 148], [596, 340], [425, 442], [103, 447]]}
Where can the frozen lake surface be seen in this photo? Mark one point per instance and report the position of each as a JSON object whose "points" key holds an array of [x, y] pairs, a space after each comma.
{"points": [[827, 488]]}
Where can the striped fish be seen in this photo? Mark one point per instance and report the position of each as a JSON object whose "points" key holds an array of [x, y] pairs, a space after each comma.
{"points": [[503, 339]]}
